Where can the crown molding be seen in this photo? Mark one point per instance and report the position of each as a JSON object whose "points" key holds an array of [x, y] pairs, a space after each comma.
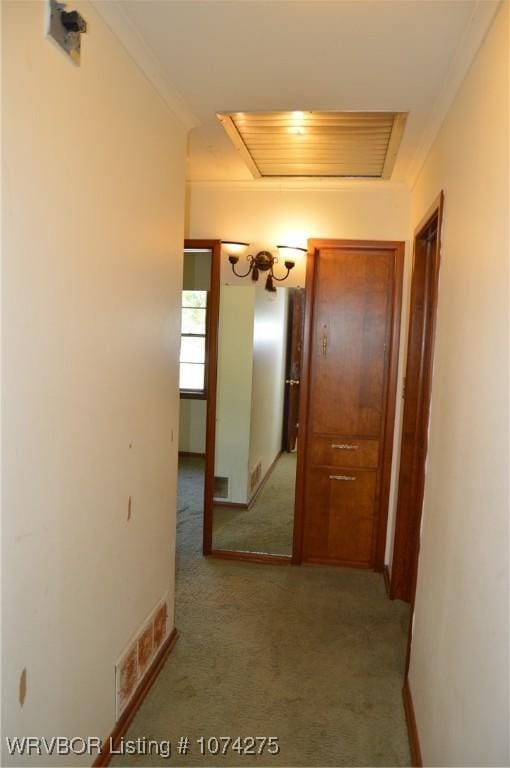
{"points": [[295, 185], [471, 40], [114, 16]]}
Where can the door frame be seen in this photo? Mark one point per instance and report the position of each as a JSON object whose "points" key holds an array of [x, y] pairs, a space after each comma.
{"points": [[391, 373], [213, 315], [420, 353], [210, 441], [289, 392]]}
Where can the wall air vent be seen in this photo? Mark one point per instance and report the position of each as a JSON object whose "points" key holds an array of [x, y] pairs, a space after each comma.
{"points": [[316, 144]]}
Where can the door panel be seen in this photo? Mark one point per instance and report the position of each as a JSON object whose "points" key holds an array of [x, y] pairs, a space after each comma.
{"points": [[344, 452], [345, 533], [352, 338], [350, 330]]}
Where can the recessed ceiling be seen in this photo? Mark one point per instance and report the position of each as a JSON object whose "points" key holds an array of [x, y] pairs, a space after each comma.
{"points": [[274, 55], [316, 144]]}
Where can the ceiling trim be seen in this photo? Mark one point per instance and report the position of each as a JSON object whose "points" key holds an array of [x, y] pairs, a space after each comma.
{"points": [[135, 45], [295, 185], [316, 143], [237, 140], [471, 40], [399, 123]]}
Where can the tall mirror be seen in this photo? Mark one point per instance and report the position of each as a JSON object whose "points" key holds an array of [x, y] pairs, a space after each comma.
{"points": [[259, 364]]}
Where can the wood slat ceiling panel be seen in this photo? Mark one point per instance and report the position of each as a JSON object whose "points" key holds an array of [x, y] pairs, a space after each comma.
{"points": [[304, 141], [305, 118], [322, 169], [362, 144], [282, 152], [313, 130]]}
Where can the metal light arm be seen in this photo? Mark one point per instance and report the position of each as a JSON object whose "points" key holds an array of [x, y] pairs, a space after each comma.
{"points": [[233, 261], [263, 261], [289, 265]]}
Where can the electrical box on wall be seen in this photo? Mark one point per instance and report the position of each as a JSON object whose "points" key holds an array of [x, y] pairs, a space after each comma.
{"points": [[65, 29]]}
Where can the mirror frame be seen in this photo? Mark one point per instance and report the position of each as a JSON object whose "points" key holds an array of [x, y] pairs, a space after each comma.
{"points": [[210, 440]]}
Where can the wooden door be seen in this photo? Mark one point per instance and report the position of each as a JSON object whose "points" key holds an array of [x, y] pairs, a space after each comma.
{"points": [[415, 420], [355, 292], [293, 367]]}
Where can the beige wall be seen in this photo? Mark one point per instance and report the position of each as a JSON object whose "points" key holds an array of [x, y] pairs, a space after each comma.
{"points": [[192, 425], [459, 673], [268, 213], [233, 401], [197, 271], [268, 380], [249, 405], [93, 198]]}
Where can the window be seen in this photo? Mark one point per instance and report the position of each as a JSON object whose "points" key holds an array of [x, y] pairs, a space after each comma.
{"points": [[193, 360]]}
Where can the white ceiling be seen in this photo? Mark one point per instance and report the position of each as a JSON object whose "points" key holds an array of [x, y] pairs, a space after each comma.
{"points": [[247, 55]]}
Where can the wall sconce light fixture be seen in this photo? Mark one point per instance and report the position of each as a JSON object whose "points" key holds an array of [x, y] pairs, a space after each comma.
{"points": [[263, 261]]}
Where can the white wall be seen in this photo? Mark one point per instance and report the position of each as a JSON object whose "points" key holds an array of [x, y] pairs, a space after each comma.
{"points": [[233, 403], [93, 212], [268, 213], [459, 674], [197, 271], [193, 413], [268, 381], [251, 372], [192, 425]]}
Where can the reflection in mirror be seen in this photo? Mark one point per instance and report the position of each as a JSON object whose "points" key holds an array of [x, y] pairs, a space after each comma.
{"points": [[193, 381], [259, 357], [193, 338]]}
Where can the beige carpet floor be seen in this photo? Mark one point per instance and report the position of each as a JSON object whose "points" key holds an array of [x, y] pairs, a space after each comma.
{"points": [[312, 655], [268, 525]]}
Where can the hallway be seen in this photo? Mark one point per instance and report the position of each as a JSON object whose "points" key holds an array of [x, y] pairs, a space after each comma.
{"points": [[311, 655], [206, 251]]}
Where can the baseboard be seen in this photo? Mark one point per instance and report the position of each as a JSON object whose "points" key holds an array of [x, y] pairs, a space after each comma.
{"points": [[264, 480], [386, 577], [412, 730], [253, 557], [192, 455], [314, 561], [229, 504], [139, 695]]}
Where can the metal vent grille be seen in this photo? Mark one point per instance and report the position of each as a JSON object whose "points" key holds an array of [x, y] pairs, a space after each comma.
{"points": [[316, 144]]}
